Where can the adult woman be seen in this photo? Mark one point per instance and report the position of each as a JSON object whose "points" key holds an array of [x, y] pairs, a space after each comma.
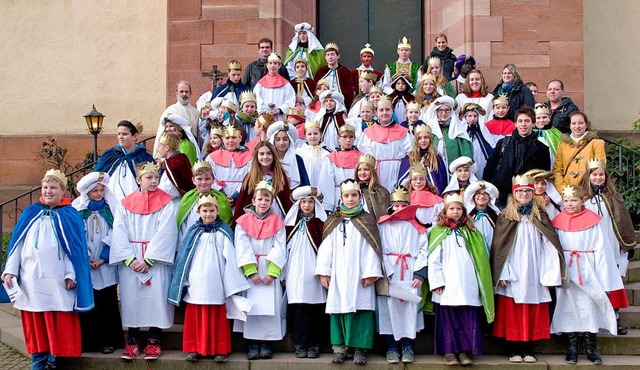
{"points": [[445, 53], [575, 149], [475, 90], [512, 86]]}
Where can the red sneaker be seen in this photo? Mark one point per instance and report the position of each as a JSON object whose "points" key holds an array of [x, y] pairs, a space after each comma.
{"points": [[131, 351], [152, 351]]}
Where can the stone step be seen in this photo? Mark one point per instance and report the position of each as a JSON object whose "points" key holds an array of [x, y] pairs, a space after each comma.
{"points": [[630, 317], [633, 293], [633, 272], [174, 360]]}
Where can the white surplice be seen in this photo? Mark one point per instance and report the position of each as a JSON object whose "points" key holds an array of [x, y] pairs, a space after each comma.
{"points": [[283, 98], [228, 177], [388, 156], [303, 286], [313, 158], [596, 204], [98, 234]]}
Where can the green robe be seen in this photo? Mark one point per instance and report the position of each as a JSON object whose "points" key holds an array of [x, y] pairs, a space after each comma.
{"points": [[190, 198], [315, 58], [454, 147]]}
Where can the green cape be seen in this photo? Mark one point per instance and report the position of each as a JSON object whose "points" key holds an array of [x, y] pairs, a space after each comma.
{"points": [[191, 198]]}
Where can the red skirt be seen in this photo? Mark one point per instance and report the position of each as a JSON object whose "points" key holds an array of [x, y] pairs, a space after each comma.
{"points": [[618, 298], [520, 321], [55, 332], [206, 330]]}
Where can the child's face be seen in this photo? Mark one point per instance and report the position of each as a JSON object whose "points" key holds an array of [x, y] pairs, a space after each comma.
{"points": [[163, 150], [539, 186], [572, 204], [401, 85], [292, 120], [364, 84], [350, 198], [231, 143], [331, 57], [301, 69], [435, 70], [171, 127], [321, 88], [249, 107], [262, 203], [418, 182], [463, 174], [598, 176], [346, 140], [500, 110], [374, 98], [265, 157], [272, 67], [404, 53], [96, 194], [208, 213], [52, 192], [221, 111], [424, 140], [428, 87], [307, 205], [384, 112], [523, 195], [481, 198], [412, 115], [281, 142], [366, 113], [203, 181], [364, 172], [312, 135], [398, 206], [542, 120], [299, 103], [454, 211], [148, 181], [215, 141], [329, 104], [472, 118], [125, 139]]}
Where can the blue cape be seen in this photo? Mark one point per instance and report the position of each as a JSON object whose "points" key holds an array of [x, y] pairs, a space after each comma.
{"points": [[113, 157], [69, 230]]}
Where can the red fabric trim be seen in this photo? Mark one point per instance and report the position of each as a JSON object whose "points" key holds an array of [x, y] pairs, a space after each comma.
{"points": [[52, 331], [63, 202], [424, 198], [260, 229], [206, 330], [385, 134], [576, 222], [345, 158], [618, 298], [224, 157], [475, 94], [520, 321], [146, 203], [406, 214], [272, 82], [251, 145], [300, 128], [500, 126]]}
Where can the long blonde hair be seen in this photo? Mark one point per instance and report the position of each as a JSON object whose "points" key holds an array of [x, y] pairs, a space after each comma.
{"points": [[430, 159], [442, 216], [440, 79], [255, 174], [511, 211], [374, 180]]}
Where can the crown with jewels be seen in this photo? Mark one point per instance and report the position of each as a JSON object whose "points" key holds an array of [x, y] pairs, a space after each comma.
{"points": [[404, 42], [311, 124], [200, 165], [400, 195], [170, 139], [368, 159], [413, 106], [207, 199], [542, 109], [234, 65], [332, 45], [501, 100], [247, 96], [521, 181], [367, 49], [453, 197], [57, 174], [594, 163], [229, 131], [349, 184], [264, 185], [274, 57], [145, 168]]}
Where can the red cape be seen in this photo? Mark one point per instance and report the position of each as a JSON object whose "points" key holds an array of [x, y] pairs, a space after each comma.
{"points": [[408, 213], [260, 229], [345, 158], [146, 203], [385, 134], [576, 222]]}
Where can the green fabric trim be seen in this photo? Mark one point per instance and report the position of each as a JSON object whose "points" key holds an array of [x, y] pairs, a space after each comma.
{"points": [[250, 269], [355, 329], [190, 199], [148, 262], [105, 212], [449, 90], [128, 261], [187, 148], [455, 148], [273, 270], [315, 59]]}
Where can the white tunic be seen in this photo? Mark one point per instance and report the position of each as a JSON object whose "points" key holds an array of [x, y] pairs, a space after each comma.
{"points": [[485, 227], [152, 236], [229, 178], [597, 205], [533, 265], [98, 234], [313, 158], [303, 286], [122, 181], [451, 267], [273, 249], [585, 307], [388, 156], [400, 257], [347, 258], [42, 266], [283, 98], [329, 183]]}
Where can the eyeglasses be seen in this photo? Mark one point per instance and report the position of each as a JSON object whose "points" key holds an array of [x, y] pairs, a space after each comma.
{"points": [[447, 110], [524, 191]]}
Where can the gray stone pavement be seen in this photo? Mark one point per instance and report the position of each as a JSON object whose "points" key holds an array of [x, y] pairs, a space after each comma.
{"points": [[13, 360]]}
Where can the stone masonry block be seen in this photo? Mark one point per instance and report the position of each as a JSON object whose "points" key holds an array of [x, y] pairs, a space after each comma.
{"points": [[487, 28], [573, 7], [519, 22], [183, 57], [515, 7], [258, 28], [184, 9], [230, 12], [191, 32], [559, 28], [520, 47], [567, 54], [529, 60]]}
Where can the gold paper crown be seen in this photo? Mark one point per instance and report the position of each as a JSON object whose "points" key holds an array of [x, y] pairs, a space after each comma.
{"points": [[404, 42], [265, 120], [428, 76], [146, 167], [400, 194], [234, 64], [594, 163], [332, 45], [264, 185], [569, 191], [57, 174], [207, 199], [542, 109], [230, 105], [170, 139], [435, 61], [229, 131], [216, 130], [376, 89], [368, 159], [501, 100], [274, 57], [349, 184], [367, 49], [322, 82], [539, 174], [311, 124], [412, 106], [206, 104], [247, 96], [200, 165], [346, 128], [301, 60], [369, 76], [453, 197], [421, 128], [418, 169], [471, 107], [522, 180], [384, 99], [295, 112], [366, 103], [137, 123]]}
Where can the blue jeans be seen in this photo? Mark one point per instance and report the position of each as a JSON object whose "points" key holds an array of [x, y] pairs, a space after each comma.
{"points": [[39, 360]]}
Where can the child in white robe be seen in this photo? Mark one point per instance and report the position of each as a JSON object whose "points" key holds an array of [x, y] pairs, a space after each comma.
{"points": [[424, 195], [480, 203], [463, 173], [313, 155]]}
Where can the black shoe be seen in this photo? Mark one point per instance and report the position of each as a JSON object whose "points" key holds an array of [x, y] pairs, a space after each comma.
{"points": [[253, 352], [622, 330], [313, 352], [572, 348], [592, 349], [339, 357], [192, 357], [220, 358], [50, 366], [265, 351], [360, 357], [301, 351], [107, 350]]}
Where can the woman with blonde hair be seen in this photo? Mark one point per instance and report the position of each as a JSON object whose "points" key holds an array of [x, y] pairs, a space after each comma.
{"points": [[424, 152], [516, 91], [475, 90], [376, 199]]}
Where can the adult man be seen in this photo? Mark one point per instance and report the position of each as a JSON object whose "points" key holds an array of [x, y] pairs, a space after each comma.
{"points": [[516, 154], [561, 106], [305, 45], [335, 74], [403, 66], [217, 79], [258, 68], [366, 57], [445, 53], [183, 107], [234, 87], [274, 94]]}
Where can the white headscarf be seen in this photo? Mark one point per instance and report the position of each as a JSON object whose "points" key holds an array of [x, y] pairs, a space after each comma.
{"points": [[88, 183], [473, 188], [302, 193], [184, 124], [289, 162]]}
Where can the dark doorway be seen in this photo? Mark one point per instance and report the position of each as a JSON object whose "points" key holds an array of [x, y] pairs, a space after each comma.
{"points": [[352, 23]]}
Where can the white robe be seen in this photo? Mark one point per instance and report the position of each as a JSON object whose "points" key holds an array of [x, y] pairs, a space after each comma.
{"points": [[122, 181], [388, 156], [585, 307], [485, 102], [42, 267], [401, 318], [283, 97], [230, 176], [273, 249], [347, 261], [190, 113], [98, 234], [484, 226], [429, 215], [145, 305], [329, 183], [314, 159], [608, 233], [303, 286], [532, 266]]}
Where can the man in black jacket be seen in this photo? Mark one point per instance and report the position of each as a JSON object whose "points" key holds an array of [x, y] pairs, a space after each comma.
{"points": [[516, 154], [561, 106], [258, 68]]}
